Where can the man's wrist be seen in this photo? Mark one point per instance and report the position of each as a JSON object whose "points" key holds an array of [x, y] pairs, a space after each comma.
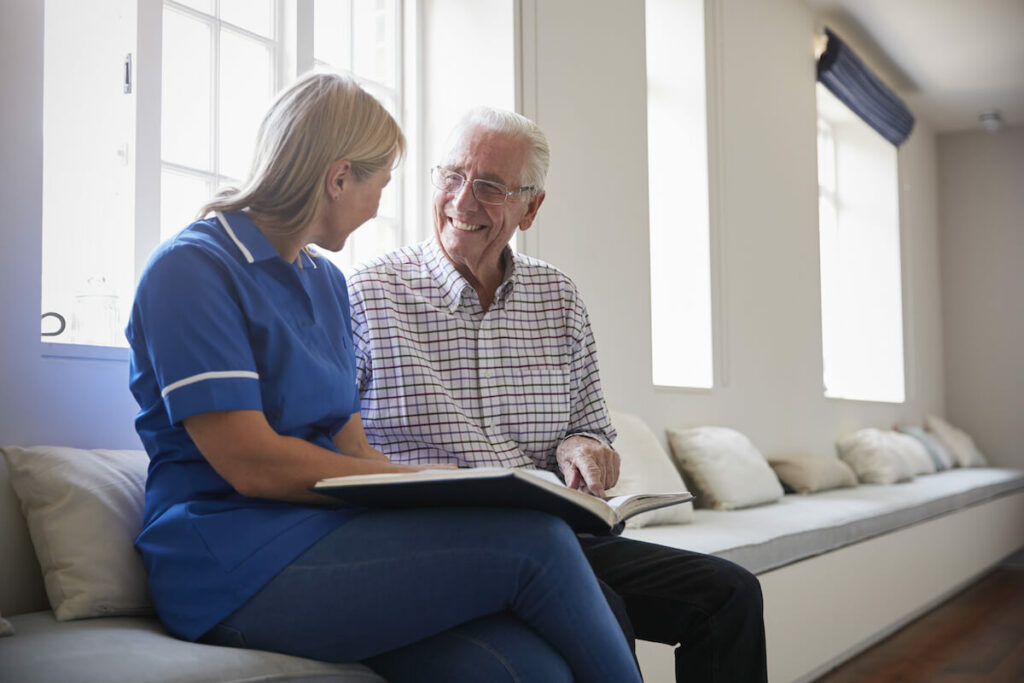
{"points": [[600, 438]]}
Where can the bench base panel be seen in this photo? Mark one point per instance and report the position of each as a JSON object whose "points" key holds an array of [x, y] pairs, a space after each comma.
{"points": [[823, 610]]}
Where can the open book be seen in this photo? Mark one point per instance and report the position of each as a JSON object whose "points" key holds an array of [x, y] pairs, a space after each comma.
{"points": [[496, 487]]}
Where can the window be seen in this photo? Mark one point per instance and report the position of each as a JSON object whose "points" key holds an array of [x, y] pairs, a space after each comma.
{"points": [[219, 66], [360, 37], [861, 294], [88, 170], [677, 152]]}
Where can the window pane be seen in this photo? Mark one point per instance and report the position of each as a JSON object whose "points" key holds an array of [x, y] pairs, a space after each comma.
{"points": [[187, 75], [861, 292], [181, 195], [678, 195], [246, 69], [332, 33], [252, 15], [374, 44], [88, 170]]}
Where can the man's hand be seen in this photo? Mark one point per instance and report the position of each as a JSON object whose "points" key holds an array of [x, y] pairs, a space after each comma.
{"points": [[587, 465]]}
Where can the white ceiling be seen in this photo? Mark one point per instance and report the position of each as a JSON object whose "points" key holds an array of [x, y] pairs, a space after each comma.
{"points": [[950, 60]]}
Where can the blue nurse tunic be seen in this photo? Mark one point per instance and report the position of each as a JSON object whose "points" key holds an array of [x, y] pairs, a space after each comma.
{"points": [[222, 322]]}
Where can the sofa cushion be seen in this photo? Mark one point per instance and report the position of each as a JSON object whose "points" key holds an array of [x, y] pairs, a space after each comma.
{"points": [[874, 457], [724, 468], [84, 510], [913, 452], [21, 589], [138, 649], [939, 454], [798, 527], [957, 441], [807, 473], [645, 467]]}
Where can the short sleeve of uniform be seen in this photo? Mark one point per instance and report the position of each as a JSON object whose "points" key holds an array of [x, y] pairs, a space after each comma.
{"points": [[188, 314]]}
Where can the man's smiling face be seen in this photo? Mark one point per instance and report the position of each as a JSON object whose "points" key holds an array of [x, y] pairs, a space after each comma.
{"points": [[472, 234]]}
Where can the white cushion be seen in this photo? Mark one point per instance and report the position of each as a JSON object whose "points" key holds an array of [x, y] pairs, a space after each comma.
{"points": [[957, 441], [645, 467], [724, 468], [807, 473], [84, 510], [875, 458], [939, 454], [913, 453]]}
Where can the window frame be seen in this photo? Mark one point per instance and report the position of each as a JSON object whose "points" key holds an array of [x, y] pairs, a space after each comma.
{"points": [[292, 46]]}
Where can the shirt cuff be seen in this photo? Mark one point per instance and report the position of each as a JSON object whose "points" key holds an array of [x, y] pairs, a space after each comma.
{"points": [[598, 437]]}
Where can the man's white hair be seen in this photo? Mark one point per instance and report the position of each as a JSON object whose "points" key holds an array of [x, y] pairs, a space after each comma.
{"points": [[502, 121]]}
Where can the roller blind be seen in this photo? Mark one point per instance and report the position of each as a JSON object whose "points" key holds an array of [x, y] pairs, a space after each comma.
{"points": [[842, 72]]}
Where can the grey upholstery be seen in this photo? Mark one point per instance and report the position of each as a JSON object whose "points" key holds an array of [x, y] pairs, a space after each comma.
{"points": [[801, 526], [138, 649], [117, 648]]}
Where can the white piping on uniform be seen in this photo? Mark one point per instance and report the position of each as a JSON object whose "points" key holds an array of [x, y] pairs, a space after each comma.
{"points": [[217, 374], [231, 234]]}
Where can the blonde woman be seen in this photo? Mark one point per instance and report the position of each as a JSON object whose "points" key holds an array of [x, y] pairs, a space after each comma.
{"points": [[242, 365]]}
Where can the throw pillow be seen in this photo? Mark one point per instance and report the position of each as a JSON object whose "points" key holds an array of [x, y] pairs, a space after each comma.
{"points": [[645, 467], [936, 450], [959, 442], [806, 473], [873, 457], [912, 451], [84, 510], [725, 469], [6, 629]]}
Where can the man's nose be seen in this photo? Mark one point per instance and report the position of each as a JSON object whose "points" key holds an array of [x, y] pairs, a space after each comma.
{"points": [[464, 199]]}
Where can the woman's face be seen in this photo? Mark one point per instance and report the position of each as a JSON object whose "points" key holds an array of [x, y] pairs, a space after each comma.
{"points": [[357, 202]]}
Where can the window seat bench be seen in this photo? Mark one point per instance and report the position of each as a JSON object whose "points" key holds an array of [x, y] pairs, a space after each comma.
{"points": [[842, 569]]}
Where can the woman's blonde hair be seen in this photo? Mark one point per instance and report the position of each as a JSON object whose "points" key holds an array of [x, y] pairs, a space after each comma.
{"points": [[321, 118]]}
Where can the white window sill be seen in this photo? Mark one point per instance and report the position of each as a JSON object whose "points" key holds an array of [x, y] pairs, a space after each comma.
{"points": [[85, 352]]}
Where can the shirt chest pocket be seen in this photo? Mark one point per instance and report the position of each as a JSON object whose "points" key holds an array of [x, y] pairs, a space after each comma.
{"points": [[537, 403]]}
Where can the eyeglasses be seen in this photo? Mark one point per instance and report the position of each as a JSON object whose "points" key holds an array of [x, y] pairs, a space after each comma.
{"points": [[485, 191]]}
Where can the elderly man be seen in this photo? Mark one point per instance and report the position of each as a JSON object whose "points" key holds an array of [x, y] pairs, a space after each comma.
{"points": [[468, 353]]}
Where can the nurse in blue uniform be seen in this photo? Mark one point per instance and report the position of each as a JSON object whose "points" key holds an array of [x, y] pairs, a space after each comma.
{"points": [[242, 365]]}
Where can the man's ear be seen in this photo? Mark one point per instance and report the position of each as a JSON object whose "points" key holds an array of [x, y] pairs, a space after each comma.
{"points": [[532, 207], [338, 178]]}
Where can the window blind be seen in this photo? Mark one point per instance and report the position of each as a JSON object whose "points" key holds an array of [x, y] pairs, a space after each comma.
{"points": [[842, 72]]}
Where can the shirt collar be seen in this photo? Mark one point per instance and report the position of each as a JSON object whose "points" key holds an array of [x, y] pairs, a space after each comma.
{"points": [[252, 244], [450, 282]]}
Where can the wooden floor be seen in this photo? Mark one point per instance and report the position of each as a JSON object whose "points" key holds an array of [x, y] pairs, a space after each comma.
{"points": [[978, 635]]}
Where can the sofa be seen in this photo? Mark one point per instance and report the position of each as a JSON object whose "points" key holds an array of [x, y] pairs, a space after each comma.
{"points": [[839, 568], [129, 646]]}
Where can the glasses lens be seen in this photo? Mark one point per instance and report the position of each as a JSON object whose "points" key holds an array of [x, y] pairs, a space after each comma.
{"points": [[488, 192], [445, 180]]}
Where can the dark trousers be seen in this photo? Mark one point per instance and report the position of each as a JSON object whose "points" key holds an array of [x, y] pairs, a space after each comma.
{"points": [[709, 607]]}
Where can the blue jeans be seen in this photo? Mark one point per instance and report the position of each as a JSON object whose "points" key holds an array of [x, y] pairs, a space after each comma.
{"points": [[476, 594]]}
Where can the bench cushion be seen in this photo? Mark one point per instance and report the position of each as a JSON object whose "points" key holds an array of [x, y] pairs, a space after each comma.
{"points": [[800, 526], [138, 649]]}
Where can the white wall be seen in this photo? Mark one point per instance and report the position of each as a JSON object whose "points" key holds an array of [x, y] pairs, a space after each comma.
{"points": [[981, 190], [42, 400], [589, 92], [586, 87]]}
